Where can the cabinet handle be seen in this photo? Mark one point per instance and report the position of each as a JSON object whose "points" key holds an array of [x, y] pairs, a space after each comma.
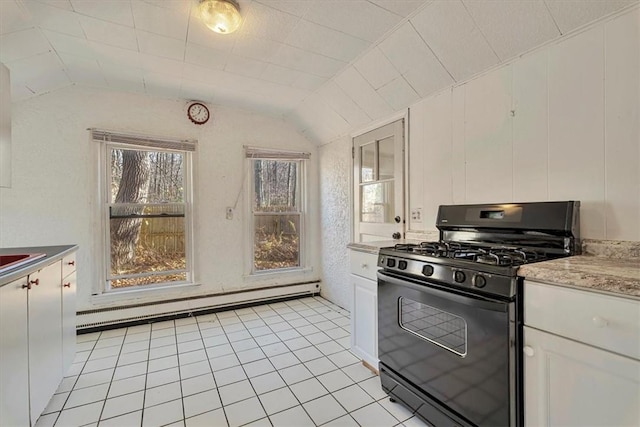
{"points": [[529, 351], [364, 265], [71, 263], [34, 282], [67, 285], [28, 286], [599, 322]]}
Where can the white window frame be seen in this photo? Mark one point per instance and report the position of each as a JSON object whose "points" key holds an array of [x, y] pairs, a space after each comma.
{"points": [[106, 138], [253, 154]]}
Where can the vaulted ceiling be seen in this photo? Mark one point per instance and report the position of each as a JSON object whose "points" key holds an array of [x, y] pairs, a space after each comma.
{"points": [[328, 66]]}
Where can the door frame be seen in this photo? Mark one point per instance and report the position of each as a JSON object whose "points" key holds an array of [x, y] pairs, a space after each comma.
{"points": [[404, 114]]}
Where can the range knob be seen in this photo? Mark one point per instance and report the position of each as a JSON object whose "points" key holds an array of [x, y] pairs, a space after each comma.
{"points": [[402, 265], [391, 262], [427, 270], [459, 276], [479, 281]]}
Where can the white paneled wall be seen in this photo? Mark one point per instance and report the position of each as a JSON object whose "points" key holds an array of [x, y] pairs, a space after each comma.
{"points": [[576, 126], [558, 124], [622, 128]]}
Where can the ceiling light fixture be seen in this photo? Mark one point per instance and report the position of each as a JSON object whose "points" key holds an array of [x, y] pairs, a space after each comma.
{"points": [[222, 16]]}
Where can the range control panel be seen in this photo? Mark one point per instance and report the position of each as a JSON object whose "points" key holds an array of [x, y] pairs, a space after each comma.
{"points": [[454, 275]]}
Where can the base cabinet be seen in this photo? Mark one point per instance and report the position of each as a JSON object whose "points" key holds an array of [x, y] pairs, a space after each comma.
{"points": [[582, 358], [69, 285], [364, 307], [45, 337], [568, 383], [14, 355], [364, 328], [37, 341]]}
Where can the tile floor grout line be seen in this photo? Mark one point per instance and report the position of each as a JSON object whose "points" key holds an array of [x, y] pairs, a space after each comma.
{"points": [[146, 377], [224, 412], [104, 402]]}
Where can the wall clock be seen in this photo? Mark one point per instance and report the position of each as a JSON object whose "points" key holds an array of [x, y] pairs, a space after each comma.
{"points": [[198, 113]]}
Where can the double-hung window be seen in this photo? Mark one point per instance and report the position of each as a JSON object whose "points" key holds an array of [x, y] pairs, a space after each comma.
{"points": [[277, 209], [146, 188]]}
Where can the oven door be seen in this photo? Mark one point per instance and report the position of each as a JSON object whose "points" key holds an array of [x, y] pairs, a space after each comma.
{"points": [[453, 347]]}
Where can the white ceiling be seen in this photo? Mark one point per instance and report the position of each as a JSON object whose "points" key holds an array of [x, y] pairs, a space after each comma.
{"points": [[326, 65]]}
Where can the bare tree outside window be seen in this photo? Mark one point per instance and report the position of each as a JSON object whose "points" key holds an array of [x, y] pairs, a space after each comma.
{"points": [[146, 217], [277, 214]]}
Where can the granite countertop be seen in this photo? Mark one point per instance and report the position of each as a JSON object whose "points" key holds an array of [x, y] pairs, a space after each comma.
{"points": [[52, 254], [613, 276]]}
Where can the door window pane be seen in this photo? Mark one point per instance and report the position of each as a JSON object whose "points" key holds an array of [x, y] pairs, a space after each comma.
{"points": [[386, 158], [434, 325], [377, 201], [367, 162], [276, 241]]}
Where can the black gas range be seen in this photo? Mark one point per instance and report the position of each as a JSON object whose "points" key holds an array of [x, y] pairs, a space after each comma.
{"points": [[450, 312]]}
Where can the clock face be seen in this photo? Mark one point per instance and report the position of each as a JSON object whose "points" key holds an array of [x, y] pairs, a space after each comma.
{"points": [[198, 113]]}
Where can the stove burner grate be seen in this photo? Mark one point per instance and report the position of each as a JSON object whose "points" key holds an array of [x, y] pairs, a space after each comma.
{"points": [[491, 255]]}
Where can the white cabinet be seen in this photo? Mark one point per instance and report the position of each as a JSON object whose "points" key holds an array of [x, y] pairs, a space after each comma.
{"points": [[37, 340], [568, 383], [45, 336], [581, 363], [69, 285], [14, 348], [364, 307]]}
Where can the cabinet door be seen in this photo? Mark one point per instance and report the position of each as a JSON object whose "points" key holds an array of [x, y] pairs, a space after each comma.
{"points": [[364, 320], [572, 384], [14, 369], [45, 336], [68, 321]]}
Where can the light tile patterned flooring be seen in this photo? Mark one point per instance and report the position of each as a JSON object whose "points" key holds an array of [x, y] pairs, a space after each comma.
{"points": [[281, 364]]}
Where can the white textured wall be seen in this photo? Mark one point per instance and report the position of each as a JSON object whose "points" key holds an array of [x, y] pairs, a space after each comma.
{"points": [[335, 220], [53, 198]]}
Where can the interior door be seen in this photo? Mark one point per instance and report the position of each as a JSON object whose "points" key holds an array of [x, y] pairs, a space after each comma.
{"points": [[378, 184]]}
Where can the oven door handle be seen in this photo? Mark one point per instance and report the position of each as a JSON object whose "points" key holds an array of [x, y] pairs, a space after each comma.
{"points": [[480, 303]]}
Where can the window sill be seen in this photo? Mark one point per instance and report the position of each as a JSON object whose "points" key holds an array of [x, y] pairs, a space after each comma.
{"points": [[276, 273], [161, 291]]}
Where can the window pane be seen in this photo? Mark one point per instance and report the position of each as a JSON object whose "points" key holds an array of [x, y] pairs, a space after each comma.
{"points": [[367, 162], [276, 241], [377, 202], [276, 186], [139, 176], [147, 239], [386, 158]]}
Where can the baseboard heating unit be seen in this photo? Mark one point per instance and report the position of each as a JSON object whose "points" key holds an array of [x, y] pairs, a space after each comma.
{"points": [[135, 314]]}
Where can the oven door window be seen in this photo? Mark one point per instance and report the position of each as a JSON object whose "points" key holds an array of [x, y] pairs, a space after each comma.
{"points": [[443, 329]]}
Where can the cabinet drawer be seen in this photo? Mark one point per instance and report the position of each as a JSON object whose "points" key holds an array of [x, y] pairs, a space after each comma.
{"points": [[364, 264], [604, 321], [68, 264]]}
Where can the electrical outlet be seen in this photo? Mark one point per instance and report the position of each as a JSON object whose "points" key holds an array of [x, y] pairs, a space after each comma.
{"points": [[416, 214], [229, 213]]}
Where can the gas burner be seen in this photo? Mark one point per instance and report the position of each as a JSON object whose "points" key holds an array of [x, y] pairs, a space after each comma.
{"points": [[405, 247], [437, 249]]}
